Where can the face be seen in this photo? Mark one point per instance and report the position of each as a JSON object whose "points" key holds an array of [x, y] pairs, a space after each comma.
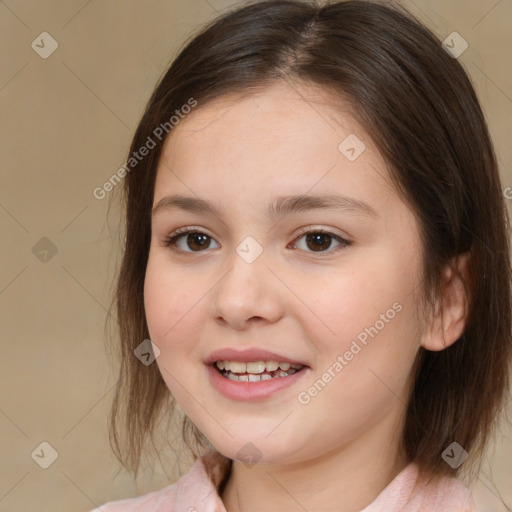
{"points": [[326, 284]]}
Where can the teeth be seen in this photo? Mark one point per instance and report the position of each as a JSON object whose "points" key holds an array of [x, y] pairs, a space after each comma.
{"points": [[235, 366], [255, 367], [251, 377], [255, 371], [272, 366]]}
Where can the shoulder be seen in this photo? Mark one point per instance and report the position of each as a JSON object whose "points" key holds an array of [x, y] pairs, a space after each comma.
{"points": [[445, 494], [196, 490], [453, 495], [163, 500], [410, 492]]}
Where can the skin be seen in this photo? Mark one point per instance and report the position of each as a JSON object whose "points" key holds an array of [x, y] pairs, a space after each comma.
{"points": [[241, 152]]}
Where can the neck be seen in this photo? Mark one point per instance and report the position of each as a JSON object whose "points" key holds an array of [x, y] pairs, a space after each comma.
{"points": [[347, 479]]}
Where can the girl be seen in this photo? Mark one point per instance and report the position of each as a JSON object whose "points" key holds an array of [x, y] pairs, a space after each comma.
{"points": [[317, 249]]}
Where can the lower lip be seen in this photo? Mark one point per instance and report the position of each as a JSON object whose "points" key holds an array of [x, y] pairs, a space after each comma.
{"points": [[251, 391]]}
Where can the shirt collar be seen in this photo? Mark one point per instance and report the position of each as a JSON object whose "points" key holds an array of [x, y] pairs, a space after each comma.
{"points": [[198, 490]]}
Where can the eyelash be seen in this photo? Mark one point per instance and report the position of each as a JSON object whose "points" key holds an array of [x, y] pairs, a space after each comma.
{"points": [[172, 239]]}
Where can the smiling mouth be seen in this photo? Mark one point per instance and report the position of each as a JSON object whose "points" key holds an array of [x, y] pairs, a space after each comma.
{"points": [[255, 371]]}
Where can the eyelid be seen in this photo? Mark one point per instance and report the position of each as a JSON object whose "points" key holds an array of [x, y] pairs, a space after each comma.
{"points": [[302, 231], [188, 229], [320, 229]]}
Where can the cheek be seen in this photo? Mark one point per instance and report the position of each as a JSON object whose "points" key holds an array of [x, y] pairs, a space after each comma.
{"points": [[169, 302], [346, 302], [373, 303], [172, 315]]}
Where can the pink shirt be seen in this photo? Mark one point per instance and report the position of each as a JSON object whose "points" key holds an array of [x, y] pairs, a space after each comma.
{"points": [[197, 491]]}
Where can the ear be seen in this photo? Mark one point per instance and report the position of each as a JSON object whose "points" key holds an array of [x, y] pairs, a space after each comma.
{"points": [[448, 322]]}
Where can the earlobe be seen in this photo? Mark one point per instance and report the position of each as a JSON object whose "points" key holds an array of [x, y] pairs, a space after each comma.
{"points": [[448, 322]]}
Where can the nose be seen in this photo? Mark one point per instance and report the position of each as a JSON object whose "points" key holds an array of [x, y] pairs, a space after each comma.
{"points": [[247, 293]]}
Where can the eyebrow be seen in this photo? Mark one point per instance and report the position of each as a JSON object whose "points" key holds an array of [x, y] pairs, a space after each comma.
{"points": [[280, 206]]}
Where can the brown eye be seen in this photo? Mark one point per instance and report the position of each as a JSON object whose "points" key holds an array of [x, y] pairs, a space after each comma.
{"points": [[318, 241], [194, 241], [198, 240], [321, 241]]}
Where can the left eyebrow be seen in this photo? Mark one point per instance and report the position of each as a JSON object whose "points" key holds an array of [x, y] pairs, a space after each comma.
{"points": [[280, 206]]}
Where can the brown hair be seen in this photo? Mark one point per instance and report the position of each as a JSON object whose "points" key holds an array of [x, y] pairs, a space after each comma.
{"points": [[419, 107]]}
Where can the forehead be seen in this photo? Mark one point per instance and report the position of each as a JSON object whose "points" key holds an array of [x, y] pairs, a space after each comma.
{"points": [[283, 109], [285, 139]]}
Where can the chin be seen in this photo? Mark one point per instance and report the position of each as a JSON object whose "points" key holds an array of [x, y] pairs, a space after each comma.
{"points": [[257, 450]]}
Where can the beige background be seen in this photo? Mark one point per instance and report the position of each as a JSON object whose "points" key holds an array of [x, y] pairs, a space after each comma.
{"points": [[66, 125]]}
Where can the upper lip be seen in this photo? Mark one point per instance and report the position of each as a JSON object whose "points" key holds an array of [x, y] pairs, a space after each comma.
{"points": [[247, 355]]}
